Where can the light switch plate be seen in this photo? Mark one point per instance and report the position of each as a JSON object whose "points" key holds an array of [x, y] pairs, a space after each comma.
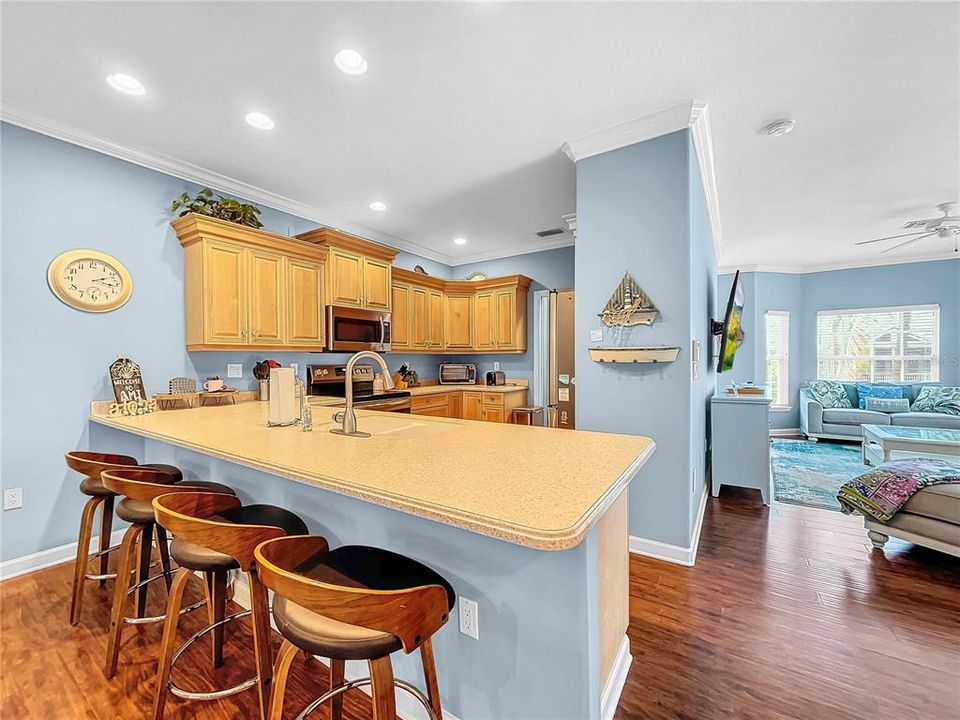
{"points": [[234, 370], [596, 336]]}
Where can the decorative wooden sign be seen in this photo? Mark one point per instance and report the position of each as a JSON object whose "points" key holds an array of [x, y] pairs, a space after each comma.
{"points": [[629, 306], [128, 389]]}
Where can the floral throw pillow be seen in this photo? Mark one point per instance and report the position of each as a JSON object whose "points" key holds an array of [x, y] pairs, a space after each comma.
{"points": [[830, 394], [944, 400]]}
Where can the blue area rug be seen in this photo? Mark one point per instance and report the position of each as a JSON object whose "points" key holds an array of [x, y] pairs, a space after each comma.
{"points": [[811, 473]]}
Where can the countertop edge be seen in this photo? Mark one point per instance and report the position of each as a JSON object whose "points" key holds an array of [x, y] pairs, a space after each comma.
{"points": [[549, 540]]}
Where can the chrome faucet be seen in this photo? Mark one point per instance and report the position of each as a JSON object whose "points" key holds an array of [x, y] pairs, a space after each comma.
{"points": [[347, 417]]}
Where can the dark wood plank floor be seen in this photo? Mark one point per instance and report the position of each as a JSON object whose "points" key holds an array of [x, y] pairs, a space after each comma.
{"points": [[790, 613], [787, 614]]}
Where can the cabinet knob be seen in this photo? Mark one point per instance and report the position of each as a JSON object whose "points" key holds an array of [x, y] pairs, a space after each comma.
{"points": [[254, 333], [243, 333]]}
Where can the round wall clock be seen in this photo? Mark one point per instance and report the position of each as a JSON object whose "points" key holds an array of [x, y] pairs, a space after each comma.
{"points": [[90, 280]]}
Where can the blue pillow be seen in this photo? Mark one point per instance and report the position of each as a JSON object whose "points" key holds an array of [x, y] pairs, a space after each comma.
{"points": [[888, 405], [865, 390]]}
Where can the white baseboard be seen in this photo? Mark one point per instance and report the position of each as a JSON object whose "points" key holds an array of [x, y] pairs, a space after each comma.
{"points": [[784, 432], [408, 707], [54, 556], [613, 688], [674, 553]]}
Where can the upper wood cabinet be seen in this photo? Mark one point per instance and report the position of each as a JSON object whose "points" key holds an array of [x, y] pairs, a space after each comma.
{"points": [[250, 288], [420, 318], [359, 272], [401, 316], [458, 322], [485, 321], [435, 339]]}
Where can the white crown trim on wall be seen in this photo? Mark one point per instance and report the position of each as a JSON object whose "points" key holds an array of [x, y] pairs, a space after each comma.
{"points": [[827, 267], [690, 115]]}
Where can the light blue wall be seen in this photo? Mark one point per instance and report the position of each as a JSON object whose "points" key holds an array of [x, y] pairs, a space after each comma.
{"points": [[804, 295], [634, 213], [550, 269]]}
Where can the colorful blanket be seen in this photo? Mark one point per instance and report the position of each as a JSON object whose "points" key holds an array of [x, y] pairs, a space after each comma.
{"points": [[882, 491]]}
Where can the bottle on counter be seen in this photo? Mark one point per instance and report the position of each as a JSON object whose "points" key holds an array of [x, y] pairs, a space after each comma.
{"points": [[378, 383]]}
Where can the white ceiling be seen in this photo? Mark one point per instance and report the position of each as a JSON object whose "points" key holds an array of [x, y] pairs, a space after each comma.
{"points": [[458, 123]]}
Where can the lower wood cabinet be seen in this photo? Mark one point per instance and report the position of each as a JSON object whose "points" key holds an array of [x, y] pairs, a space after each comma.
{"points": [[469, 405]]}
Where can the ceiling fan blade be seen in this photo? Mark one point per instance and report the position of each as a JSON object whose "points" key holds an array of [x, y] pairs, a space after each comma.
{"points": [[907, 242], [892, 237]]}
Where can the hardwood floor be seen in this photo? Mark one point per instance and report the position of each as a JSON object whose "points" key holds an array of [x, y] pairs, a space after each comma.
{"points": [[52, 671], [790, 613]]}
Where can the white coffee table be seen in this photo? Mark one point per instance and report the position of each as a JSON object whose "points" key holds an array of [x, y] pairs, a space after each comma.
{"points": [[880, 442]]}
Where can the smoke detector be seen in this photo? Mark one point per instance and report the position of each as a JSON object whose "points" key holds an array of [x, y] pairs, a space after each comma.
{"points": [[779, 127]]}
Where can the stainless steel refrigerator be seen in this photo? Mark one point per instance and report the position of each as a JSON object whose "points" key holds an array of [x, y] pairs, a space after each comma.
{"points": [[562, 381]]}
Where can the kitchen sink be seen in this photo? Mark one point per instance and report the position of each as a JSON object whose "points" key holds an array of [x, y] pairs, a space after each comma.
{"points": [[399, 426]]}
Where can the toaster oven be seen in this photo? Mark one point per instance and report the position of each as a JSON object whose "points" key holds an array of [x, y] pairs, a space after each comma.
{"points": [[458, 374]]}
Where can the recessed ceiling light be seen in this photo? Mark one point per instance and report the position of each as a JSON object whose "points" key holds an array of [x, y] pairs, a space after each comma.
{"points": [[259, 120], [126, 84], [378, 206], [350, 61], [779, 128], [460, 241]]}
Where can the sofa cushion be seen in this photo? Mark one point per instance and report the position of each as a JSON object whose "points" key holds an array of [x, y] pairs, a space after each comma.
{"points": [[854, 432], [830, 394], [888, 405], [944, 400], [924, 419], [855, 416], [940, 502], [868, 390]]}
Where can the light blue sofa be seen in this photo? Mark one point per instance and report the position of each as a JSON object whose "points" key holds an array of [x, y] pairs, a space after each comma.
{"points": [[817, 422]]}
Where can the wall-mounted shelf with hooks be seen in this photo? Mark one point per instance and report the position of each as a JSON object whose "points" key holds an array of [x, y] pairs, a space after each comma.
{"points": [[653, 354]]}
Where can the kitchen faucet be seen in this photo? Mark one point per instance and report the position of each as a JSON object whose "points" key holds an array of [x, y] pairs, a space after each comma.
{"points": [[347, 417]]}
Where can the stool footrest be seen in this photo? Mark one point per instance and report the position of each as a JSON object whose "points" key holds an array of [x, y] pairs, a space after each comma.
{"points": [[161, 618], [214, 694], [360, 682]]}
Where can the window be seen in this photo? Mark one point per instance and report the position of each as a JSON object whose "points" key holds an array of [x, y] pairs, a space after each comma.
{"points": [[778, 356], [897, 344]]}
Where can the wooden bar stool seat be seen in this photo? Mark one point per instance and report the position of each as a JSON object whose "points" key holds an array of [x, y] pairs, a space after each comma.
{"points": [[353, 603], [137, 486], [214, 533], [90, 465]]}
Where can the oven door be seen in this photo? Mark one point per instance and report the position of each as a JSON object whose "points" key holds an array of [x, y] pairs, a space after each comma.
{"points": [[354, 329]]}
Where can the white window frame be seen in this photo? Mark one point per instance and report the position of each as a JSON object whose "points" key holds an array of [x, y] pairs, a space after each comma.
{"points": [[934, 357], [783, 392]]}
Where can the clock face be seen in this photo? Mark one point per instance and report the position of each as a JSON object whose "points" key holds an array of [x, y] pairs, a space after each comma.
{"points": [[89, 280]]}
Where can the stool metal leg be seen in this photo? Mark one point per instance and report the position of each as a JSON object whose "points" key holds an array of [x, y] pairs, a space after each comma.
{"points": [[167, 646], [121, 589], [381, 683], [83, 551], [106, 529]]}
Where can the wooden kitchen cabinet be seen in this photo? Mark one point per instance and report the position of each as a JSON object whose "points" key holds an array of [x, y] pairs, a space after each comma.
{"points": [[454, 404], [435, 337], [249, 288], [491, 413], [402, 316], [508, 322], [420, 318], [458, 322], [484, 333], [345, 276], [304, 311], [471, 405], [376, 284]]}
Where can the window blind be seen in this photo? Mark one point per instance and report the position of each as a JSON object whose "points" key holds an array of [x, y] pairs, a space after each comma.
{"points": [[778, 356], [897, 344]]}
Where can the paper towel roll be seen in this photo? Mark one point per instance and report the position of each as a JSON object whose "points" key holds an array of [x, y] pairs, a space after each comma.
{"points": [[283, 401]]}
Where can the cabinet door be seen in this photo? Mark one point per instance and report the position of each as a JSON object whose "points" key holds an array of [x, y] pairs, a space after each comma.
{"points": [[224, 293], [266, 298], [305, 304], [484, 334], [376, 284], [346, 278], [420, 320], [471, 407], [506, 319], [454, 404], [491, 413], [435, 337], [401, 319], [459, 322]]}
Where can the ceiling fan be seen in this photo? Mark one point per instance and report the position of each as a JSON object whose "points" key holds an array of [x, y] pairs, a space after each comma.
{"points": [[946, 227]]}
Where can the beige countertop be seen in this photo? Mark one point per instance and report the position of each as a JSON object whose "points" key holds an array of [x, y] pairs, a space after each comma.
{"points": [[434, 389], [537, 487]]}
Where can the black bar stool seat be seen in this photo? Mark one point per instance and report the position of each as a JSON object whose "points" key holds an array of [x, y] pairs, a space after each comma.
{"points": [[354, 566]]}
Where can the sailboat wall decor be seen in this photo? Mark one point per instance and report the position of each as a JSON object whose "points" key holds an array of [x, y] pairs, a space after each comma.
{"points": [[629, 306]]}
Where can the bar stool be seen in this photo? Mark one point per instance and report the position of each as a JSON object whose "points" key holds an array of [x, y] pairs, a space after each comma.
{"points": [[138, 486], [214, 533], [353, 603]]}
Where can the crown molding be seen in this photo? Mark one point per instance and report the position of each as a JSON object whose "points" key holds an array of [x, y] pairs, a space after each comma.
{"points": [[827, 267], [17, 115], [703, 145], [558, 241]]}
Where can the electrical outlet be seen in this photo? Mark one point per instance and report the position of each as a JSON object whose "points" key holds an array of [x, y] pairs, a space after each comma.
{"points": [[469, 618], [234, 370], [496, 364], [596, 336], [693, 484], [296, 369], [12, 498]]}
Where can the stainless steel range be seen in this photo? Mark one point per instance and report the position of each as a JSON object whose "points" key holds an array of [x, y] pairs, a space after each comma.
{"points": [[331, 381]]}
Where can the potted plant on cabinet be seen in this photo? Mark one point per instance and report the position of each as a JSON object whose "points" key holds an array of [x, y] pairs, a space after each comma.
{"points": [[222, 208]]}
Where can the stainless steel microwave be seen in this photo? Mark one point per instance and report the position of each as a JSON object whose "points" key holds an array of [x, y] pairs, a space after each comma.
{"points": [[352, 329], [458, 374]]}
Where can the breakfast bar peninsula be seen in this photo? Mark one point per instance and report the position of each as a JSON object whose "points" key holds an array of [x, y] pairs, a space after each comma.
{"points": [[528, 522]]}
